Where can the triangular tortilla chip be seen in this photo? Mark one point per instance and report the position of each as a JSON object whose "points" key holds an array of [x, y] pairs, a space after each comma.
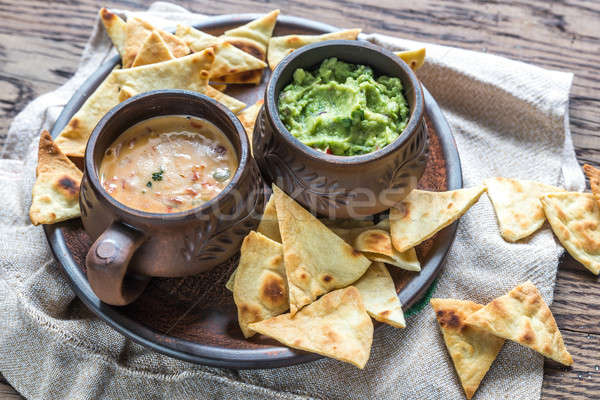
{"points": [[316, 259], [248, 118], [260, 288], [422, 214], [115, 28], [253, 37], [517, 205], [335, 326], [55, 195], [522, 316], [190, 73], [414, 58], [230, 62], [379, 296], [575, 220], [281, 46], [137, 30], [196, 39], [153, 50], [350, 229], [73, 138], [472, 350], [230, 102], [376, 245], [269, 225], [593, 175], [247, 77]]}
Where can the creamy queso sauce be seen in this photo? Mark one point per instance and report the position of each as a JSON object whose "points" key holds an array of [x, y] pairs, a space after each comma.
{"points": [[168, 164]]}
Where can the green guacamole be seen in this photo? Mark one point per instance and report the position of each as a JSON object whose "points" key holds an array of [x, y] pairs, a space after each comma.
{"points": [[343, 109]]}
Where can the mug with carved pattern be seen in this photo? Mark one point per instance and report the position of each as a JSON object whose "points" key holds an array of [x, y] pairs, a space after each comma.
{"points": [[131, 245], [342, 186]]}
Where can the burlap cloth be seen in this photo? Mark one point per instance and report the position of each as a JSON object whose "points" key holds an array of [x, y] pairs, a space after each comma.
{"points": [[509, 119]]}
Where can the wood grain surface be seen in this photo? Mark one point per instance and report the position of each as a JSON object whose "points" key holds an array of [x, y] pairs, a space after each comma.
{"points": [[40, 45]]}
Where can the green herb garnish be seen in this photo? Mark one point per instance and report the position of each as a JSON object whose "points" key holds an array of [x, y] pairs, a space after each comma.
{"points": [[149, 184], [157, 176]]}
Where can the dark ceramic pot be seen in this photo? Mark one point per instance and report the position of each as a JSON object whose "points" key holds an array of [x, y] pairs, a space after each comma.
{"points": [[132, 245], [340, 186]]}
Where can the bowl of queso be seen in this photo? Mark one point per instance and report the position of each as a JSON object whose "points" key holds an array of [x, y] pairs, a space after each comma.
{"points": [[168, 164], [343, 128], [169, 190]]}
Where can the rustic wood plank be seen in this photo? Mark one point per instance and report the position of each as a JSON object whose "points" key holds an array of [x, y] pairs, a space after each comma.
{"points": [[576, 305], [40, 45], [7, 392], [582, 381]]}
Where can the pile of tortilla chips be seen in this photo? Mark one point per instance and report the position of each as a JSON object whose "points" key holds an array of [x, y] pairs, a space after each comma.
{"points": [[331, 278], [320, 257], [153, 59]]}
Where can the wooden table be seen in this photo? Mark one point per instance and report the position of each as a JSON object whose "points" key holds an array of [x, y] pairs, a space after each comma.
{"points": [[40, 45]]}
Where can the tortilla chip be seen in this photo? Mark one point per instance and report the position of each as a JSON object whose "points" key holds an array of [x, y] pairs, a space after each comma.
{"points": [[422, 214], [472, 350], [247, 77], [379, 296], [220, 87], [269, 225], [414, 58], [260, 288], [281, 46], [349, 229], [154, 50], [522, 316], [55, 195], [115, 28], [335, 326], [230, 281], [230, 62], [376, 245], [593, 175], [196, 39], [190, 73], [137, 30], [230, 102], [253, 37], [248, 118], [73, 138], [575, 220], [316, 259], [517, 205]]}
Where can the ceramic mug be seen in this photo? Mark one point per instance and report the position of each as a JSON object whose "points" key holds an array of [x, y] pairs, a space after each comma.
{"points": [[342, 186], [131, 245]]}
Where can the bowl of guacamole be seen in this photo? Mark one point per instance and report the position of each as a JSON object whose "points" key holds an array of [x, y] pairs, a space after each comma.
{"points": [[342, 128], [343, 109]]}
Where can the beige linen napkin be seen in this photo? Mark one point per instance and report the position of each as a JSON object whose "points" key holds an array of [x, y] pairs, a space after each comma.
{"points": [[509, 119]]}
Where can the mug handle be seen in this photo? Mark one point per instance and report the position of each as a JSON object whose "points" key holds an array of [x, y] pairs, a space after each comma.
{"points": [[107, 261]]}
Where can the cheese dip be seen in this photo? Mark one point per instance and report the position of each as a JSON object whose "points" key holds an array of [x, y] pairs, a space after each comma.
{"points": [[168, 164]]}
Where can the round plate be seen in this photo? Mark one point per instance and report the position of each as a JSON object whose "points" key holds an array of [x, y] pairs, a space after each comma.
{"points": [[194, 318]]}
